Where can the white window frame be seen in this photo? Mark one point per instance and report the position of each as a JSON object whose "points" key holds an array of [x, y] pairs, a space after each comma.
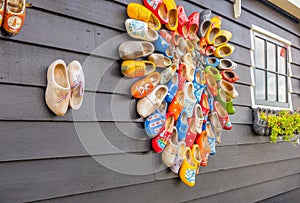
{"points": [[255, 29]]}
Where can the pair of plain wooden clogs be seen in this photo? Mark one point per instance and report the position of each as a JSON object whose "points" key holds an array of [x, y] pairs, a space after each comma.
{"points": [[65, 86]]}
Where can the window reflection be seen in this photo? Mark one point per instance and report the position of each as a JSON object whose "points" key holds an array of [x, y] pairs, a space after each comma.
{"points": [[260, 84], [271, 56], [281, 60], [259, 53], [272, 93], [282, 89]]}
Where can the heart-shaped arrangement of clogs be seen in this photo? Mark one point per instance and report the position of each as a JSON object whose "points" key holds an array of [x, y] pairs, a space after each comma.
{"points": [[187, 90]]}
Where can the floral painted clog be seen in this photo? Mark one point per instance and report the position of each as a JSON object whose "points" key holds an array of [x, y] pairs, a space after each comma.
{"points": [[167, 74], [223, 116], [177, 104], [189, 98], [140, 30], [182, 22], [211, 138], [191, 133], [160, 60]]}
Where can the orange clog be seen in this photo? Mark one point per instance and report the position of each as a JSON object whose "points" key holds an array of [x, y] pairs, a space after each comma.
{"points": [[1, 11], [140, 12], [177, 104], [14, 16], [144, 86]]}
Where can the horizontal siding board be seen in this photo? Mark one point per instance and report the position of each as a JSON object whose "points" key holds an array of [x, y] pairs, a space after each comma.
{"points": [[102, 12], [27, 64], [56, 33], [36, 140], [207, 184], [244, 73], [228, 157], [292, 196], [257, 192], [33, 180], [295, 85], [225, 9], [271, 15], [296, 101], [295, 70], [28, 103], [295, 55]]}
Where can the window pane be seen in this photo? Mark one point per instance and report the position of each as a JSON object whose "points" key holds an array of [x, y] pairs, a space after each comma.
{"points": [[282, 60], [271, 57], [272, 93], [282, 89], [259, 53], [260, 82]]}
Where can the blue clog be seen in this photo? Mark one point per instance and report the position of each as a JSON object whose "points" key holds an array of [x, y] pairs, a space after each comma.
{"points": [[211, 138], [199, 87], [156, 120], [182, 125], [172, 88], [163, 47], [212, 61]]}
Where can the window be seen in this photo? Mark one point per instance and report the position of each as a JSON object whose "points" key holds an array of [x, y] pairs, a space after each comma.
{"points": [[270, 70]]}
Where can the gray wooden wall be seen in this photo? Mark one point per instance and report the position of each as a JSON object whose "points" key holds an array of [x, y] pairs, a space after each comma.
{"points": [[41, 156]]}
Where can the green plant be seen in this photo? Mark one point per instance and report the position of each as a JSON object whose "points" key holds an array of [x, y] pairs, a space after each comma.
{"points": [[284, 124]]}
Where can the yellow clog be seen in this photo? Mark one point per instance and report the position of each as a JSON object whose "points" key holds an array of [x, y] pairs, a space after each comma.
{"points": [[140, 12], [134, 69], [188, 169], [214, 29], [172, 14]]}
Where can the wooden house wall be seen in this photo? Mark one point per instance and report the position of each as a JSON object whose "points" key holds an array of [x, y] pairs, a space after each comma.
{"points": [[41, 156]]}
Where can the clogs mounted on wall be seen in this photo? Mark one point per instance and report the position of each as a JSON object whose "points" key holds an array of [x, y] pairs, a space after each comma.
{"points": [[187, 91], [12, 15]]}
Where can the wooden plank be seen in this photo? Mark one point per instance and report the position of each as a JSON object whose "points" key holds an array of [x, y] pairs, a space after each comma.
{"points": [[102, 12], [295, 55], [289, 196], [296, 101], [28, 103], [244, 73], [257, 192], [207, 185], [235, 156], [295, 71], [36, 140], [82, 139], [295, 85], [40, 138], [33, 180], [225, 9], [271, 15], [56, 33], [27, 64]]}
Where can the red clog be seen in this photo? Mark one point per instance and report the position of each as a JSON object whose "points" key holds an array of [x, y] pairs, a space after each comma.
{"points": [[158, 8], [181, 76], [205, 106], [161, 140], [193, 25], [191, 133], [223, 116], [229, 76], [183, 22]]}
